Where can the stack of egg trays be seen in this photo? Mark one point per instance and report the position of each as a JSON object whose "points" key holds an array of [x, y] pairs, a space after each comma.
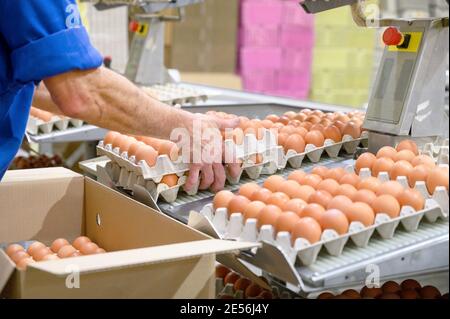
{"points": [[36, 126], [438, 150], [176, 95], [234, 227], [228, 290]]}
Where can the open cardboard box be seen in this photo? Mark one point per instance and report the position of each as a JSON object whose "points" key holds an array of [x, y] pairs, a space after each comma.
{"points": [[149, 254]]}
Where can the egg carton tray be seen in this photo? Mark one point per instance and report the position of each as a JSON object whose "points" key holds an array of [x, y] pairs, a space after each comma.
{"points": [[36, 126], [176, 95], [439, 150], [228, 290]]}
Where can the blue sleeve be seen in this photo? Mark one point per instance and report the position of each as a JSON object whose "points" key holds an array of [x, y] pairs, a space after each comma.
{"points": [[45, 38]]}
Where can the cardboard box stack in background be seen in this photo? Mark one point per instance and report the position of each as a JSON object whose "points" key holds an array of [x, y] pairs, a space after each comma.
{"points": [[276, 41], [343, 59]]}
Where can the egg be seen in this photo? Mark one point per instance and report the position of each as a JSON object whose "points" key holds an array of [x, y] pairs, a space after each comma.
{"points": [[318, 127], [68, 250], [273, 118], [253, 209], [58, 243], [80, 241], [75, 254], [88, 248], [344, 118], [389, 296], [267, 124], [286, 221], [126, 143], [386, 204], [296, 176], [329, 185], [391, 287], [19, 255], [273, 183], [401, 168], [301, 117], [334, 219], [170, 180], [339, 202], [307, 228], [336, 173], [350, 178], [383, 164], [387, 151], [237, 135], [231, 278], [290, 188], [346, 190], [437, 177], [351, 294], [333, 133], [301, 131], [353, 129], [249, 189], [118, 140], [313, 119], [413, 198], [311, 180], [409, 294], [366, 160], [405, 155], [325, 296], [170, 149], [253, 291], [134, 147], [307, 125], [340, 125], [283, 120], [237, 204], [50, 257], [40, 254], [262, 195], [423, 160], [222, 271], [282, 138], [35, 247], [241, 284], [11, 249], [320, 197], [295, 205], [304, 192], [296, 143], [322, 171], [23, 263], [370, 183], [408, 145], [360, 212], [364, 196], [374, 292], [410, 284], [269, 215], [147, 154], [430, 292], [100, 251], [315, 138], [392, 188], [314, 211], [278, 199], [109, 138], [288, 129]]}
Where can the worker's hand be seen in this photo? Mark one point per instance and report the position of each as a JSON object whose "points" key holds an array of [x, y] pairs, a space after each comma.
{"points": [[207, 153]]}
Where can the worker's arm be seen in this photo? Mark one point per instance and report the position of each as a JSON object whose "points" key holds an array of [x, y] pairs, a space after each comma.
{"points": [[43, 100]]}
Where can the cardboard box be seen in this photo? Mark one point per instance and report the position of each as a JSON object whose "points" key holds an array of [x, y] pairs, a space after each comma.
{"points": [[149, 254]]}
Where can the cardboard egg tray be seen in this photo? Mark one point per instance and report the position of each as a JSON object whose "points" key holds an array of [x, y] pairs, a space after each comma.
{"points": [[438, 150], [176, 95], [36, 126], [235, 228], [228, 290]]}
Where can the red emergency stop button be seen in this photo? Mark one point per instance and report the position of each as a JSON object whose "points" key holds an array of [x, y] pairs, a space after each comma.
{"points": [[392, 36], [133, 26]]}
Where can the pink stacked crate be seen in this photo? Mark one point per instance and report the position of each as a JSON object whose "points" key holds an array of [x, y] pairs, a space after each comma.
{"points": [[276, 42]]}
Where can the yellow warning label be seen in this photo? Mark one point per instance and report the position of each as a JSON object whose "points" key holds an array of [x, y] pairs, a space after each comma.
{"points": [[143, 29], [414, 43]]}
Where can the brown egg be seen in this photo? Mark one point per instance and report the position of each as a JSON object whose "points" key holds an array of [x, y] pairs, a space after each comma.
{"points": [[80, 241], [351, 294], [409, 294], [315, 138], [418, 173], [311, 179], [118, 140], [290, 188], [423, 160], [401, 168], [307, 125], [336, 173], [404, 155], [237, 204], [329, 185], [334, 219], [278, 199], [267, 124], [350, 178], [13, 248], [296, 176], [58, 243], [339, 202], [284, 120], [109, 138], [67, 251], [344, 118], [314, 211], [295, 205], [273, 118], [35, 247], [322, 171], [320, 197], [19, 255], [325, 296], [100, 251], [147, 154], [237, 135], [411, 284], [304, 192], [360, 212], [392, 188], [252, 291], [413, 198], [301, 131], [249, 189], [296, 143], [391, 287], [408, 145], [437, 177], [353, 129], [23, 263], [269, 215], [386, 204], [262, 195], [383, 164], [301, 117], [286, 221], [41, 253], [364, 196], [370, 183], [307, 228], [222, 199], [231, 278], [430, 292], [170, 180], [313, 119], [253, 209], [387, 151], [389, 296], [346, 190], [371, 292], [126, 143], [89, 248], [366, 160], [50, 257], [333, 133], [340, 125], [222, 271], [134, 147], [170, 149], [288, 129], [318, 127], [273, 183]]}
